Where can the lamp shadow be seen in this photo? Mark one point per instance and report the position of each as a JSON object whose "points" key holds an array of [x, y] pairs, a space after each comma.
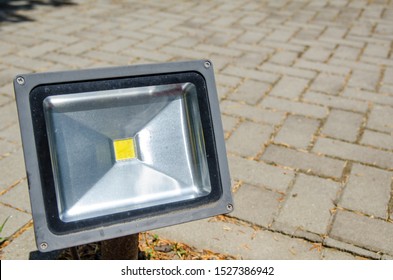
{"points": [[10, 10]]}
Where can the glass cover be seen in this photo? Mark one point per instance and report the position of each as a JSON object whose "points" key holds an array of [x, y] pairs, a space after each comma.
{"points": [[126, 149]]}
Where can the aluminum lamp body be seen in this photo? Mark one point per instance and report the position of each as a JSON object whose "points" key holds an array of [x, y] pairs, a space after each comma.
{"points": [[115, 151]]}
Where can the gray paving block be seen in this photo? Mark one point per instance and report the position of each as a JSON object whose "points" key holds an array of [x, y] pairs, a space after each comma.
{"points": [[12, 169], [256, 205], [335, 102], [362, 231], [229, 123], [377, 139], [8, 115], [20, 247], [259, 173], [377, 50], [383, 99], [284, 57], [6, 148], [248, 139], [348, 247], [289, 87], [368, 191], [240, 241], [297, 108], [347, 52], [332, 69], [250, 92], [17, 197], [333, 254], [364, 79], [254, 113], [309, 203], [16, 220], [12, 134], [354, 152], [380, 118], [317, 54], [297, 131], [304, 161], [330, 84], [288, 70], [250, 74], [343, 125]]}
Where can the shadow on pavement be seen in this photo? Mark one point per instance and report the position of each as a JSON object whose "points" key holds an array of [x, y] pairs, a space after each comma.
{"points": [[10, 9]]}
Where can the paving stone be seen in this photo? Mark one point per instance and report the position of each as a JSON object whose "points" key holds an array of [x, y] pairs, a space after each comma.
{"points": [[350, 248], [251, 60], [69, 60], [250, 92], [238, 241], [361, 230], [289, 87], [229, 123], [16, 220], [304, 161], [8, 115], [280, 35], [12, 134], [388, 76], [317, 54], [377, 50], [41, 49], [284, 58], [297, 131], [79, 47], [254, 113], [290, 71], [248, 139], [6, 148], [355, 65], [385, 88], [330, 84], [368, 191], [327, 68], [294, 107], [347, 52], [343, 125], [228, 81], [336, 102], [354, 152], [377, 139], [364, 79], [113, 58], [259, 173], [332, 254], [17, 197], [21, 247], [381, 98], [380, 119], [12, 169], [248, 73], [256, 205], [309, 203]]}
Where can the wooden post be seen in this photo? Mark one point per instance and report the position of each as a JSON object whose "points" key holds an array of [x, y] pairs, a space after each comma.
{"points": [[121, 248]]}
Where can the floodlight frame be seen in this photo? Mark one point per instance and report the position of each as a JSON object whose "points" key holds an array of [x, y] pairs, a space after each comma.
{"points": [[49, 239]]}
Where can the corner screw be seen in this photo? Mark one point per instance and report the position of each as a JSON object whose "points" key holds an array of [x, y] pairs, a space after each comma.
{"points": [[207, 64], [44, 245], [230, 207], [20, 80]]}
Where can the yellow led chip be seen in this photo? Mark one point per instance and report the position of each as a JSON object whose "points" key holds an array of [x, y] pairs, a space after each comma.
{"points": [[124, 149]]}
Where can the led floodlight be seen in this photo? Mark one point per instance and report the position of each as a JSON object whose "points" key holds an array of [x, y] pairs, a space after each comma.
{"points": [[116, 151]]}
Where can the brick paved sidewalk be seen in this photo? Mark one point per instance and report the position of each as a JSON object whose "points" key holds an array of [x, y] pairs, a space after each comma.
{"points": [[306, 91]]}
